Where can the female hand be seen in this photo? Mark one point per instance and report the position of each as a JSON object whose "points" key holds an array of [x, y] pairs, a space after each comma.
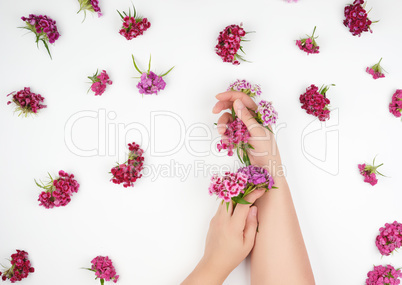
{"points": [[265, 153], [229, 240]]}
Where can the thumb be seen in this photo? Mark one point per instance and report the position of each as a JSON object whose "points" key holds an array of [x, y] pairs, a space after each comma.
{"points": [[243, 114], [250, 230]]}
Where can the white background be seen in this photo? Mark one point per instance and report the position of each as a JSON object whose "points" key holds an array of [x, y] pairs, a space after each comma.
{"points": [[155, 232]]}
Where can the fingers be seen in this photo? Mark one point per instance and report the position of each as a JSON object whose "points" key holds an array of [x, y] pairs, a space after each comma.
{"points": [[253, 127], [227, 98], [225, 210], [250, 229], [242, 210], [223, 120]]}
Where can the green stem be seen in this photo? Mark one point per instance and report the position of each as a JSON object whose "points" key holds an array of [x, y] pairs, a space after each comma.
{"points": [[313, 32]]}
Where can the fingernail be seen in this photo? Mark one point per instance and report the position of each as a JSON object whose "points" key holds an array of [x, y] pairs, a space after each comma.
{"points": [[239, 104], [254, 211]]}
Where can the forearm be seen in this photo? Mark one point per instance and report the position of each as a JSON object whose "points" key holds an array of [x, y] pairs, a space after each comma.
{"points": [[279, 255], [205, 273]]}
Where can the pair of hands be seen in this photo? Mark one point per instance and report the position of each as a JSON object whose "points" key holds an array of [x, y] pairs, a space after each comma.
{"points": [[232, 232]]}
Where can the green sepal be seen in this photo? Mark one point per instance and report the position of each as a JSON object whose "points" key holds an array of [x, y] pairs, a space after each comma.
{"points": [[240, 200]]}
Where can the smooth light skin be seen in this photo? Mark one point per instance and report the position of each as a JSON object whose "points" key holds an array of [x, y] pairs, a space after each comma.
{"points": [[279, 255]]}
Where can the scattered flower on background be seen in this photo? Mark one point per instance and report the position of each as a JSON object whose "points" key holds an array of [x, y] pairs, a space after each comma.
{"points": [[289, 1], [236, 137], [44, 28], [266, 114], [150, 83], [57, 192], [308, 45], [390, 238], [133, 26], [384, 275], [235, 186], [246, 87], [315, 102], [128, 172], [356, 18], [91, 6], [104, 269], [99, 82], [376, 70], [229, 43], [369, 172], [26, 101], [395, 107], [20, 267]]}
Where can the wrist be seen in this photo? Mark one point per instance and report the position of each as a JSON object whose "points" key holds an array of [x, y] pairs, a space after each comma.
{"points": [[206, 272]]}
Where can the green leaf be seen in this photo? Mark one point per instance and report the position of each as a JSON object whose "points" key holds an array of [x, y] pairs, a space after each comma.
{"points": [[227, 206], [47, 48], [274, 187], [120, 14], [135, 65], [102, 281], [166, 73], [233, 114], [38, 184], [240, 200], [149, 64]]}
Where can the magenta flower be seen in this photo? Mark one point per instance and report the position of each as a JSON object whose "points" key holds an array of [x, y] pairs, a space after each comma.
{"points": [[308, 45], [128, 172], [266, 114], [58, 191], [99, 82], [229, 43], [20, 267], [356, 18], [43, 27], [315, 102], [150, 83], [395, 107], [133, 26], [384, 275], [91, 6], [246, 87], [26, 101], [390, 238], [369, 172], [376, 70], [104, 269], [257, 176]]}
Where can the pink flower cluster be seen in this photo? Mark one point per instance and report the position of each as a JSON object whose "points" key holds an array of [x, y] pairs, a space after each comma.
{"points": [[315, 102], [236, 136], [95, 6], [128, 172], [90, 5], [390, 238], [384, 275], [375, 70], [395, 107], [266, 113], [133, 26], [369, 172], [228, 186], [99, 82], [229, 43], [257, 176], [59, 191], [42, 26], [356, 18], [26, 101], [20, 267], [151, 83], [246, 87], [104, 269], [308, 45]]}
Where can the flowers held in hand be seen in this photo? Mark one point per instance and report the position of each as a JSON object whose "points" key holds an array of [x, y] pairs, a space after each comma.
{"points": [[26, 101], [315, 102], [128, 172], [20, 267], [91, 6], [99, 82], [384, 275], [104, 269], [246, 87], [234, 186], [133, 26], [390, 238], [356, 18], [308, 45], [43, 27], [395, 107], [150, 83], [376, 70], [57, 192], [369, 172], [229, 43], [266, 114]]}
